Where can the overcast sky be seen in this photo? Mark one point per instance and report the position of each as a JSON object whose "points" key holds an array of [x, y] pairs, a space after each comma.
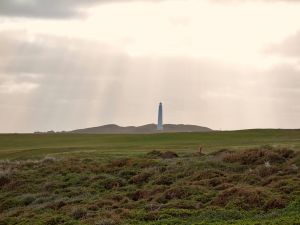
{"points": [[224, 64]]}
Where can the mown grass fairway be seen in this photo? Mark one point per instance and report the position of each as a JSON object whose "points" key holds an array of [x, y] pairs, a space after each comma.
{"points": [[24, 146], [244, 178]]}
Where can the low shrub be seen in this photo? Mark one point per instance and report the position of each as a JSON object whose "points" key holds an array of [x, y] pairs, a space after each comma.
{"points": [[48, 159], [154, 153], [119, 163], [166, 179], [78, 213], [163, 155], [4, 179], [242, 197], [169, 155], [113, 184], [57, 205], [275, 203], [175, 193], [141, 178], [28, 199], [106, 222], [259, 156]]}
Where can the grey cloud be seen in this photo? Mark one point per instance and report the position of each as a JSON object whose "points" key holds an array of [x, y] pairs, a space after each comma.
{"points": [[62, 9], [49, 8]]}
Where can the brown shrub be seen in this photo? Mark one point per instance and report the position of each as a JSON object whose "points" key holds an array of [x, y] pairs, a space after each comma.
{"points": [[269, 180], [164, 155], [104, 203], [117, 197], [120, 163], [152, 216], [208, 174], [57, 205], [4, 179], [107, 222], [111, 217], [286, 153], [166, 179], [175, 193], [275, 203], [135, 196], [78, 213], [224, 186], [244, 197], [144, 163], [219, 155], [251, 177], [93, 207], [216, 181], [113, 184], [263, 171], [125, 213], [154, 153], [169, 155], [140, 178], [259, 156], [48, 160], [183, 205], [148, 194], [49, 186], [153, 207]]}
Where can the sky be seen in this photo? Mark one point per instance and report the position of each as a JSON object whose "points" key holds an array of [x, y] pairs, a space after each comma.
{"points": [[223, 64]]}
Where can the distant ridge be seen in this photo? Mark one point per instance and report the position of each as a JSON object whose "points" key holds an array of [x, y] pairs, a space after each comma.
{"points": [[148, 128]]}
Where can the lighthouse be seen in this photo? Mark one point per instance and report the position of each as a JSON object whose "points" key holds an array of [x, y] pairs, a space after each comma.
{"points": [[160, 126]]}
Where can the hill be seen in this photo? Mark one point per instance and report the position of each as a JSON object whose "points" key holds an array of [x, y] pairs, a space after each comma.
{"points": [[148, 128]]}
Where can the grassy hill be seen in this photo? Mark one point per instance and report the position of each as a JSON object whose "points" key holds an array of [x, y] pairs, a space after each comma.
{"points": [[22, 146], [242, 177], [148, 128]]}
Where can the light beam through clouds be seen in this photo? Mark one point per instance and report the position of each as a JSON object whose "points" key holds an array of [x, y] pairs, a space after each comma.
{"points": [[230, 65]]}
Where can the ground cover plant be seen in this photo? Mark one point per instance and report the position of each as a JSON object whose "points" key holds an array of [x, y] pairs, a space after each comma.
{"points": [[257, 185]]}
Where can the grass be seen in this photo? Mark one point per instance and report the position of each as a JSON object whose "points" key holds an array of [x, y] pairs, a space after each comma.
{"points": [[244, 177], [24, 146]]}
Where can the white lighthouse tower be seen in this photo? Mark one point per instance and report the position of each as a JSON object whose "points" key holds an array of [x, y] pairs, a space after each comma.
{"points": [[160, 125]]}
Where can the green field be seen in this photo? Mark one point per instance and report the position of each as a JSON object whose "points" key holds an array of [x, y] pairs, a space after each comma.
{"points": [[248, 177], [22, 146]]}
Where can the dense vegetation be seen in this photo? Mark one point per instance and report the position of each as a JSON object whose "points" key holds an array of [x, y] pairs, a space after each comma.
{"points": [[89, 181], [258, 186]]}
